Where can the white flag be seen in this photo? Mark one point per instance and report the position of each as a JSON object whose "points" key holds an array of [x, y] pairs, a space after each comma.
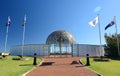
{"points": [[9, 21], [24, 21], [93, 22]]}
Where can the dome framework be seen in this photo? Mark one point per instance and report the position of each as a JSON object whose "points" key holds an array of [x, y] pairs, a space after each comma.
{"points": [[66, 36], [61, 42]]}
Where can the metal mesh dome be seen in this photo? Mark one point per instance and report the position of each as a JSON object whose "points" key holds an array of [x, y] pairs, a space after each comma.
{"points": [[66, 36]]}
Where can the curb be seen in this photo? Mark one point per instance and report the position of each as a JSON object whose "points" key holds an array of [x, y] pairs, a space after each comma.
{"points": [[28, 71], [96, 72], [33, 68], [91, 69]]}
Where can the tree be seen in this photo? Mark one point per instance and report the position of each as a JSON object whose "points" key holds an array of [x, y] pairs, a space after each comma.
{"points": [[111, 47]]}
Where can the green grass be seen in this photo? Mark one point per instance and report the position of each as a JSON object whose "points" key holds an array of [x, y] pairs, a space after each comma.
{"points": [[111, 68], [9, 67]]}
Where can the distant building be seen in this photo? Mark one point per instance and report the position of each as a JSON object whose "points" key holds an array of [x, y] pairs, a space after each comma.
{"points": [[58, 43]]}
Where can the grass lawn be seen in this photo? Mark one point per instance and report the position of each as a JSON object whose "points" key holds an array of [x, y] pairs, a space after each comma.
{"points": [[111, 68], [9, 67]]}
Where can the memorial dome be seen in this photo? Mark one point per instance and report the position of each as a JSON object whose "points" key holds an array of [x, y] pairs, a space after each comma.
{"points": [[60, 35]]}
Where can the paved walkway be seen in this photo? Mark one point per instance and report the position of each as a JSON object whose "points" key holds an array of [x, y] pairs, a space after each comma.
{"points": [[61, 67]]}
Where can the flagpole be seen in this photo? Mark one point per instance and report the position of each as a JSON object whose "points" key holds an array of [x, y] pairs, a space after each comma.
{"points": [[100, 36], [24, 23], [6, 37], [7, 25], [117, 36], [23, 39]]}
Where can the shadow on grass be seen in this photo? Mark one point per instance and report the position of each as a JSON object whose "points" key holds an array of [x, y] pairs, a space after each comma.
{"points": [[25, 65], [115, 59]]}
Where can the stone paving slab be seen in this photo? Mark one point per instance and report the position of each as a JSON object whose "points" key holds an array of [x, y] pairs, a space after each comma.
{"points": [[61, 67]]}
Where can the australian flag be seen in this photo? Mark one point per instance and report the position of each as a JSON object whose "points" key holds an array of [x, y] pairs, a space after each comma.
{"points": [[110, 24]]}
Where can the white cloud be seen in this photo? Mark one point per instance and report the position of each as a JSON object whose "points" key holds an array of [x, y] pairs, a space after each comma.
{"points": [[97, 9]]}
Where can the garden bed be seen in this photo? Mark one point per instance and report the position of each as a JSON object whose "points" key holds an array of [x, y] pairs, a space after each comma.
{"points": [[101, 59]]}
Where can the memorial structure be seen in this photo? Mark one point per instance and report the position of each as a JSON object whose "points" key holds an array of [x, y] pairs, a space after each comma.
{"points": [[58, 43]]}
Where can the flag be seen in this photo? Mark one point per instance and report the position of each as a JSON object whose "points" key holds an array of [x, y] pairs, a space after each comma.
{"points": [[24, 21], [110, 24], [8, 22], [94, 21]]}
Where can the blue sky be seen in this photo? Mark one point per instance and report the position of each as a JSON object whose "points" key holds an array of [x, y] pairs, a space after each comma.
{"points": [[46, 16]]}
